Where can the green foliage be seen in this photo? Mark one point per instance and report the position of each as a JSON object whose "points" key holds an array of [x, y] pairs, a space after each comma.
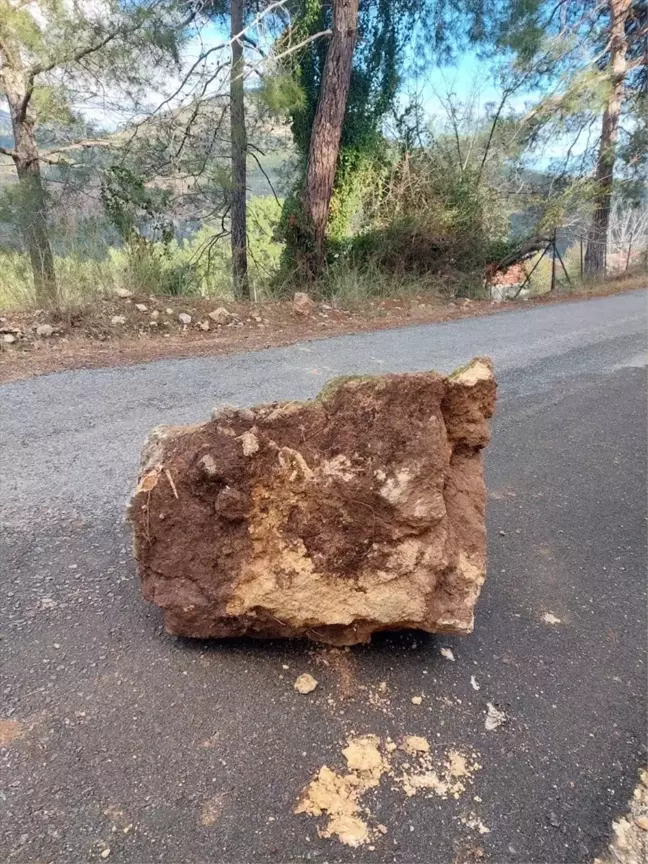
{"points": [[282, 93], [52, 105], [18, 201], [137, 214], [135, 210], [372, 91], [433, 213], [199, 266]]}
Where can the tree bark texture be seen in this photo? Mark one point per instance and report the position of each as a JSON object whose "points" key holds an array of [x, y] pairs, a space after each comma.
{"points": [[239, 154], [595, 257], [32, 205], [327, 126]]}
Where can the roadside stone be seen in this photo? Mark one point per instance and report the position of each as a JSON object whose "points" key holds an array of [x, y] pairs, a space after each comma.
{"points": [[221, 316], [302, 304], [169, 310], [155, 315], [372, 521], [8, 338], [184, 318], [141, 307], [118, 319], [123, 293], [204, 325], [44, 330]]}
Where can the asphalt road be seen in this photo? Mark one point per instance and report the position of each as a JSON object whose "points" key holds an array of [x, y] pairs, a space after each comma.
{"points": [[120, 743]]}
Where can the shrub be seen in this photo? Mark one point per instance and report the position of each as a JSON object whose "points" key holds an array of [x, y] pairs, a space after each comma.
{"points": [[430, 215]]}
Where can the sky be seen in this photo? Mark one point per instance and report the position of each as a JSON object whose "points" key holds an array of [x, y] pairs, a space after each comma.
{"points": [[469, 79]]}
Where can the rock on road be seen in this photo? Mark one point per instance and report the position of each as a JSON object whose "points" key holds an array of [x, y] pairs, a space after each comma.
{"points": [[118, 742]]}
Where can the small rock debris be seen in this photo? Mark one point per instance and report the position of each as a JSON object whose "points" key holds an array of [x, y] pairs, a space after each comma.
{"points": [[305, 683], [494, 717]]}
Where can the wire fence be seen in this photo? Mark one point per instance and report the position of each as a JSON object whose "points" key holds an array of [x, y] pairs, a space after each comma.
{"points": [[566, 251]]}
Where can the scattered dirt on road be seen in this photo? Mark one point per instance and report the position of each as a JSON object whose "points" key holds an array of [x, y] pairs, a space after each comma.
{"points": [[141, 328], [211, 811], [411, 767], [447, 779], [341, 663], [10, 730], [630, 833], [338, 795]]}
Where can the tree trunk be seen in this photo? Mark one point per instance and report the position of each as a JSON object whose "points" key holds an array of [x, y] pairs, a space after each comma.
{"points": [[33, 219], [239, 154], [597, 235], [327, 126]]}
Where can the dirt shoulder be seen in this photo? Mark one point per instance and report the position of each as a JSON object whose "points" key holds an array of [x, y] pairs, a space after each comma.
{"points": [[138, 328]]}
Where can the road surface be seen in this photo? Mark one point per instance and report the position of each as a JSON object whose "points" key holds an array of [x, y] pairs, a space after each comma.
{"points": [[123, 744]]}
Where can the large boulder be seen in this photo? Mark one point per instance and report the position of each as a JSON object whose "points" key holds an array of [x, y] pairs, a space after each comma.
{"points": [[362, 510]]}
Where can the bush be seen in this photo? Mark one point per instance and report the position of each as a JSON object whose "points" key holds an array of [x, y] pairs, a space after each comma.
{"points": [[199, 266], [429, 215]]}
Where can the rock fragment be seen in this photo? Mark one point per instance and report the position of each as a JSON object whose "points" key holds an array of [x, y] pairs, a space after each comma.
{"points": [[305, 683], [221, 316], [302, 304]]}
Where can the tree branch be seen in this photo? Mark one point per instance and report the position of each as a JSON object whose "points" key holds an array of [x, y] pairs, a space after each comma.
{"points": [[79, 54], [81, 145], [262, 169]]}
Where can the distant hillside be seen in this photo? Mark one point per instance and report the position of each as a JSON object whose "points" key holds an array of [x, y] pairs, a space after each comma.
{"points": [[6, 137]]}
